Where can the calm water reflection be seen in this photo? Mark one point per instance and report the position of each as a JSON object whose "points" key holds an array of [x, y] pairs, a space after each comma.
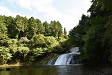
{"points": [[57, 70]]}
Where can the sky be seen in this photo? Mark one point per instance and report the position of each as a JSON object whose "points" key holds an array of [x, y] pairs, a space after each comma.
{"points": [[67, 12]]}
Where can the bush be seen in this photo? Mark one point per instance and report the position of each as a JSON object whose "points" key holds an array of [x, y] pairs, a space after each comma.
{"points": [[5, 55], [38, 40], [23, 51], [51, 42]]}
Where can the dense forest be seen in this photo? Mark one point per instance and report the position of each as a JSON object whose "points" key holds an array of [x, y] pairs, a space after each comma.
{"points": [[25, 40], [93, 34]]}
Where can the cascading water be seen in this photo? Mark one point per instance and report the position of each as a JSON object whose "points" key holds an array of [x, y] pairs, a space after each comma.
{"points": [[69, 58]]}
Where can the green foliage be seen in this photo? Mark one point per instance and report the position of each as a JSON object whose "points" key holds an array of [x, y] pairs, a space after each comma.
{"points": [[24, 40], [105, 4], [47, 29], [23, 50], [77, 33], [12, 45], [21, 53], [93, 44], [19, 23], [51, 42], [12, 41], [40, 27], [38, 40], [21, 26], [35, 27], [108, 33], [96, 47], [56, 28], [37, 52], [93, 34], [65, 32], [12, 32], [3, 29], [5, 55], [42, 41], [62, 46]]}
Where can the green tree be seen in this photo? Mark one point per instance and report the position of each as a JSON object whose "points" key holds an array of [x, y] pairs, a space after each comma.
{"points": [[47, 28], [65, 32], [3, 31], [32, 27], [4, 55], [22, 53], [3, 28], [40, 29], [97, 47], [18, 25], [38, 41], [77, 33], [15, 46], [105, 4], [56, 29], [21, 26], [93, 42], [59, 29], [24, 33], [10, 23]]}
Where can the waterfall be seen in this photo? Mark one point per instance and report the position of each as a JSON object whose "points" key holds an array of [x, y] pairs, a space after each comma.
{"points": [[69, 58], [63, 59]]}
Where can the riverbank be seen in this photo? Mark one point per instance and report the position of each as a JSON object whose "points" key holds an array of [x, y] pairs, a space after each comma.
{"points": [[11, 65], [40, 61]]}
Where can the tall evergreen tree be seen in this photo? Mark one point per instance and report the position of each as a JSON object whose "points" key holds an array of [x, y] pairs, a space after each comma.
{"points": [[65, 32], [10, 23], [40, 29], [47, 28], [77, 33], [20, 26], [56, 29], [32, 27], [3, 28]]}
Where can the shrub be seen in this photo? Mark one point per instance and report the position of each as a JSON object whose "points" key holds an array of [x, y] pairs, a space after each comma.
{"points": [[5, 55]]}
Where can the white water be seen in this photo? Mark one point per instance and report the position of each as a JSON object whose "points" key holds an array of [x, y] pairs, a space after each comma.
{"points": [[69, 58], [63, 59]]}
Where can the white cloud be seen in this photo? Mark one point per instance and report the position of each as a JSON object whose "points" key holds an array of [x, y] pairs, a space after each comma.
{"points": [[45, 6], [5, 11], [68, 20], [87, 3]]}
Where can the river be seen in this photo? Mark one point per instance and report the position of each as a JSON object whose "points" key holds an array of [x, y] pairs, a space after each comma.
{"points": [[65, 64], [57, 70]]}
